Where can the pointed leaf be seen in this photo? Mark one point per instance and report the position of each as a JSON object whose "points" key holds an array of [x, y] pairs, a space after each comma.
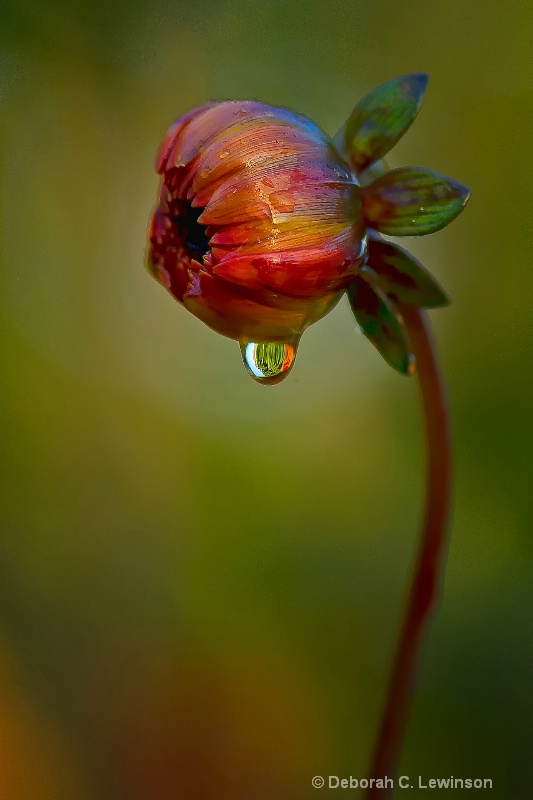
{"points": [[380, 119], [412, 201], [401, 276], [381, 322]]}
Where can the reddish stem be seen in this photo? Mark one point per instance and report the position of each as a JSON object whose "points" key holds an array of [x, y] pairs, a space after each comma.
{"points": [[431, 557]]}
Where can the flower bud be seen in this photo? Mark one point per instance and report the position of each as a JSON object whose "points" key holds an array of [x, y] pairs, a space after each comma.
{"points": [[263, 222], [258, 229]]}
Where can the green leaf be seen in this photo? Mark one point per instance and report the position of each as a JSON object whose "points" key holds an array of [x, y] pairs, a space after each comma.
{"points": [[402, 277], [381, 323], [380, 120], [412, 201]]}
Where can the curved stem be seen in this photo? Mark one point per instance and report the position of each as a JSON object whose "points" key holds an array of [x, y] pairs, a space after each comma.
{"points": [[431, 556]]}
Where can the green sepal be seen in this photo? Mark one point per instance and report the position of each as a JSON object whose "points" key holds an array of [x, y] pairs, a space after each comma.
{"points": [[380, 119], [381, 323], [412, 201], [402, 277]]}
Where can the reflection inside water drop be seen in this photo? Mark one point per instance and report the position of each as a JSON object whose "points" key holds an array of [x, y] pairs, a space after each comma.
{"points": [[269, 362]]}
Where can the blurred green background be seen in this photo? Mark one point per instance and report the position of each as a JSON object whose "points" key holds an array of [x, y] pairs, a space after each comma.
{"points": [[201, 578]]}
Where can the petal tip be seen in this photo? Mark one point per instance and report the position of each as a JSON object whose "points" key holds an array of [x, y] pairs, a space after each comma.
{"points": [[420, 80], [465, 193], [441, 301], [414, 84], [410, 365]]}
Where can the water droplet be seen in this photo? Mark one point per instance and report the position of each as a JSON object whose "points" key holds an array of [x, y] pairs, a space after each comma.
{"points": [[224, 154], [283, 201], [269, 362]]}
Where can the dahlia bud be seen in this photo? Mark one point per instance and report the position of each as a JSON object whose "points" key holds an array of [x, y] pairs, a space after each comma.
{"points": [[261, 220]]}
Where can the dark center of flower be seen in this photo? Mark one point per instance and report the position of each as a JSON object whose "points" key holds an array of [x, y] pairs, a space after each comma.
{"points": [[192, 233]]}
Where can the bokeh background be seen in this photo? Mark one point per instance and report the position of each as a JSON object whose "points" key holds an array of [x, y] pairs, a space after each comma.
{"points": [[201, 578]]}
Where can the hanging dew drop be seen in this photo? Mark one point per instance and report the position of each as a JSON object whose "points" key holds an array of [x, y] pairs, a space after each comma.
{"points": [[269, 362]]}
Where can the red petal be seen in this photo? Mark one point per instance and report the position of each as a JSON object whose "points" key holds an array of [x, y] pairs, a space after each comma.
{"points": [[177, 127], [240, 317], [302, 273]]}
